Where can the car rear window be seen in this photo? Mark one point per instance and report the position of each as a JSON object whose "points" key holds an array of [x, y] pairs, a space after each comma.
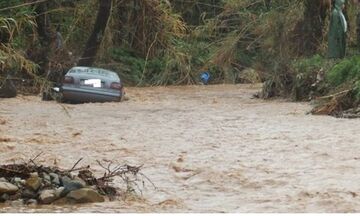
{"points": [[94, 71]]}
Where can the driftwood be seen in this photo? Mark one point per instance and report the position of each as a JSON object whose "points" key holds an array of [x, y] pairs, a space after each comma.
{"points": [[334, 104]]}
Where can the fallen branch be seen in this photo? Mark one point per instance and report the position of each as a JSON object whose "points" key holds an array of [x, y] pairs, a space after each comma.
{"points": [[335, 95]]}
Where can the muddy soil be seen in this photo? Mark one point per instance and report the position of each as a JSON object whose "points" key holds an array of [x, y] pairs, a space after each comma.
{"points": [[207, 149]]}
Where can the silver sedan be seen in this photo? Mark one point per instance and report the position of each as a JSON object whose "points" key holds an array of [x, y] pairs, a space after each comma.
{"points": [[88, 84]]}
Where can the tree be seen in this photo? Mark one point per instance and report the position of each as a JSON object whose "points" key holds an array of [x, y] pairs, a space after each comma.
{"points": [[310, 30], [96, 37]]}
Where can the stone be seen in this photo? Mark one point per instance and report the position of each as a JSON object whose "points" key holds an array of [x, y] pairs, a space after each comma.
{"points": [[59, 191], [6, 187], [70, 185], [3, 180], [55, 178], [63, 201], [47, 179], [34, 182], [78, 179], [47, 196], [34, 174], [17, 203], [15, 196], [85, 195], [31, 202], [5, 197], [29, 194], [17, 181]]}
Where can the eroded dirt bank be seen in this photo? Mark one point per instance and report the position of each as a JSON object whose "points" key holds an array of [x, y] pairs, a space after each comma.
{"points": [[207, 149]]}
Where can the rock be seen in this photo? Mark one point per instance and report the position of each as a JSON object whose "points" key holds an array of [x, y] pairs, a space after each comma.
{"points": [[5, 197], [55, 178], [17, 181], [78, 179], [16, 196], [59, 192], [6, 187], [3, 180], [34, 182], [70, 185], [17, 203], [34, 174], [47, 179], [31, 202], [63, 201], [47, 196], [85, 195], [29, 194]]}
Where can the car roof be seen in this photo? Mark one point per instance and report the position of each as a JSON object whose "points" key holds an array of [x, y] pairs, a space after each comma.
{"points": [[94, 70]]}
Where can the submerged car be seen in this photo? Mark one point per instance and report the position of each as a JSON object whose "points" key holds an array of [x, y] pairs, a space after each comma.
{"points": [[88, 84]]}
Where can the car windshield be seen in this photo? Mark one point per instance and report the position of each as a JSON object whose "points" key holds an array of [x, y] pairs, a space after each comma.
{"points": [[94, 71]]}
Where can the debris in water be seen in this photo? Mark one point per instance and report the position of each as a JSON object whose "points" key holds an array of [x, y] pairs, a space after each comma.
{"points": [[29, 183]]}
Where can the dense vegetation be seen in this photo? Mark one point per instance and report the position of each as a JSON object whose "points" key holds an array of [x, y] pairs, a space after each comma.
{"points": [[169, 42]]}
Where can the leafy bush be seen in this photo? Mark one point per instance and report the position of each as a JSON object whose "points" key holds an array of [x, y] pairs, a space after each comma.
{"points": [[309, 74], [346, 75], [347, 71]]}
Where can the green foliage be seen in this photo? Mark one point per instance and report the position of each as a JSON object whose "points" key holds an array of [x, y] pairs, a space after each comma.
{"points": [[11, 58], [346, 75], [309, 66], [196, 12], [347, 71], [357, 90], [307, 73]]}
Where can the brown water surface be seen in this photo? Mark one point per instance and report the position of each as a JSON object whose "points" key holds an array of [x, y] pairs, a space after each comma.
{"points": [[207, 149]]}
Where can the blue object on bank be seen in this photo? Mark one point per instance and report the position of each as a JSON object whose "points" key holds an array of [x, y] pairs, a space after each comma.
{"points": [[205, 77]]}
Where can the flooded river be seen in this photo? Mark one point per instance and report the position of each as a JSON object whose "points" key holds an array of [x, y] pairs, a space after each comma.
{"points": [[206, 148]]}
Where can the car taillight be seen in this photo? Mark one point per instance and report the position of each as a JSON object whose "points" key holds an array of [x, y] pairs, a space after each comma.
{"points": [[116, 85], [68, 80]]}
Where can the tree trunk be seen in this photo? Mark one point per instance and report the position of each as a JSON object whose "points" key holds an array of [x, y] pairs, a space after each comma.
{"points": [[309, 32], [43, 23], [96, 37], [40, 55], [314, 21]]}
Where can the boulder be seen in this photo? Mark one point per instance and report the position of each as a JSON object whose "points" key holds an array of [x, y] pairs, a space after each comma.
{"points": [[47, 196], [85, 195], [63, 201], [4, 198], [8, 188], [46, 179], [34, 182], [28, 194], [15, 196], [78, 179], [59, 191], [70, 185], [31, 202], [17, 181], [55, 178], [3, 180], [17, 203]]}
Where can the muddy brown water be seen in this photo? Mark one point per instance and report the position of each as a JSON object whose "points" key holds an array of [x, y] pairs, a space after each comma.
{"points": [[207, 149]]}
